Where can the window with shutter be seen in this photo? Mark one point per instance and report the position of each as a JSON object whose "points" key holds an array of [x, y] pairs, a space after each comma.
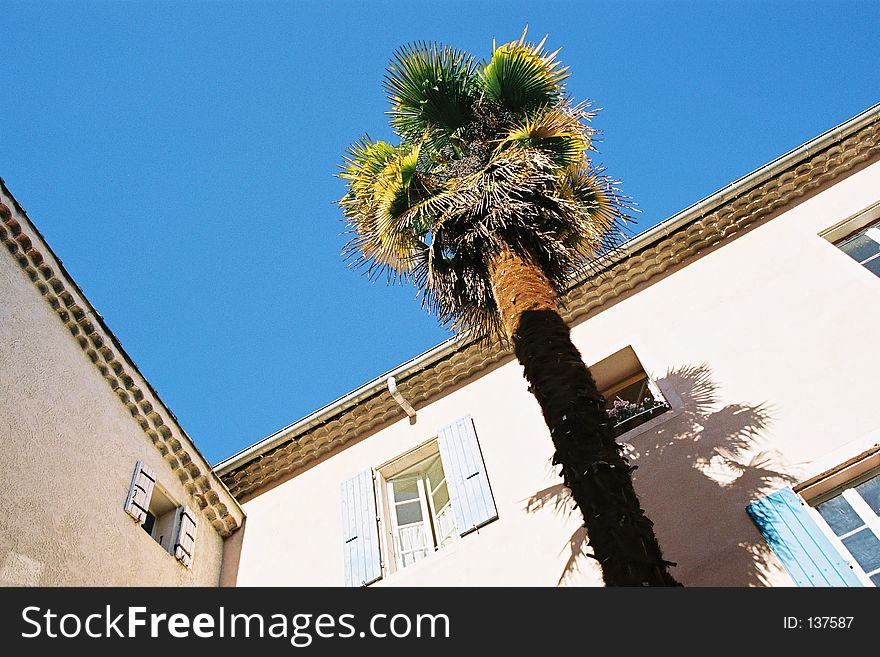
{"points": [[806, 552], [169, 524], [852, 514], [421, 515], [433, 494]]}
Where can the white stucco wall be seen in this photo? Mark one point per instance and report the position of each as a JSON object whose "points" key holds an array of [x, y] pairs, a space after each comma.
{"points": [[767, 349], [68, 451]]}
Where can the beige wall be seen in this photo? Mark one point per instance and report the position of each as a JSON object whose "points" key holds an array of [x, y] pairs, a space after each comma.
{"points": [[68, 451], [766, 348]]}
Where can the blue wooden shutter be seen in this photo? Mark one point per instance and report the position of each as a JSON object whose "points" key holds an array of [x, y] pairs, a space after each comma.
{"points": [[802, 547], [360, 530], [466, 477]]}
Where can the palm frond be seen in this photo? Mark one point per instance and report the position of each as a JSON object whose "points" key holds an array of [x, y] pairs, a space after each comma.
{"points": [[597, 212], [557, 131], [431, 88], [383, 185], [521, 76]]}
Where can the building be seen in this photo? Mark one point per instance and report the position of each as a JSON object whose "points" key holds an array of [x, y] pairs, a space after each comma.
{"points": [[735, 341], [738, 339], [99, 485]]}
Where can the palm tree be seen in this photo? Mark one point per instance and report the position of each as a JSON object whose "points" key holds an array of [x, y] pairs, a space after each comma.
{"points": [[489, 204]]}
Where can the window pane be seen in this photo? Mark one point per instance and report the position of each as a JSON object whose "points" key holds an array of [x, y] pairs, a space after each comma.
{"points": [[860, 248], [874, 266], [405, 489], [435, 473], [839, 515], [876, 579], [441, 496], [865, 547], [408, 513], [870, 492]]}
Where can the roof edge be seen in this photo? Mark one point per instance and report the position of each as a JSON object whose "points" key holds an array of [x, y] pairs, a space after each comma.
{"points": [[47, 272]]}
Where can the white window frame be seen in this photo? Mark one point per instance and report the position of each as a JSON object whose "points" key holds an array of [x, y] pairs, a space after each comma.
{"points": [[872, 233], [449, 537], [425, 455], [427, 533], [852, 226], [847, 490]]}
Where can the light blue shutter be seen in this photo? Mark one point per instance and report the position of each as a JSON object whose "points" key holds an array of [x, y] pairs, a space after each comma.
{"points": [[466, 477], [360, 530], [802, 547], [185, 524], [137, 504]]}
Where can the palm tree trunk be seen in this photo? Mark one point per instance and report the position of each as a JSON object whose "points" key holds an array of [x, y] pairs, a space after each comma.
{"points": [[593, 466]]}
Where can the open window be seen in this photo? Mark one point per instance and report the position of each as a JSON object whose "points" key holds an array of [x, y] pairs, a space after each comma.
{"points": [[423, 500], [160, 517], [169, 524], [632, 397], [421, 518]]}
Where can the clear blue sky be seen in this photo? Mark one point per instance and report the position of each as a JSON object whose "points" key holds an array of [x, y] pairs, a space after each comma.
{"points": [[180, 158]]}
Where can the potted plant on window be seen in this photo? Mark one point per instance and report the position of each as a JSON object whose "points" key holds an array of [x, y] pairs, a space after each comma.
{"points": [[626, 415]]}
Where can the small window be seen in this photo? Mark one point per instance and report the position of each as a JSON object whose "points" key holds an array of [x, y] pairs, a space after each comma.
{"points": [[631, 396], [159, 521], [421, 515], [852, 513], [172, 526], [864, 247]]}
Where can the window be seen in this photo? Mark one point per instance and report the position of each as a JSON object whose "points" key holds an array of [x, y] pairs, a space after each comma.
{"points": [[170, 525], [421, 516], [852, 513], [632, 398], [864, 247], [828, 532], [417, 503], [160, 517]]}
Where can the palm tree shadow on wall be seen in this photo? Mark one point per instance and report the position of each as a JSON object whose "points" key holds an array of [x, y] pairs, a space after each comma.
{"points": [[697, 472]]}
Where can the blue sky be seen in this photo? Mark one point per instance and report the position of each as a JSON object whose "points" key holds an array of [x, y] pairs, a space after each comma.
{"points": [[180, 158]]}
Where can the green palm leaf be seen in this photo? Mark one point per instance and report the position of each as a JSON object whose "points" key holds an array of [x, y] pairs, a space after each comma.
{"points": [[431, 88], [521, 76], [384, 184], [556, 131]]}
